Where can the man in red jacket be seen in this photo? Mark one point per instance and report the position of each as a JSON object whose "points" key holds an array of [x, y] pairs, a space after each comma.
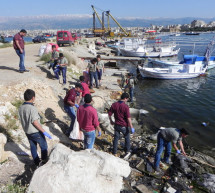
{"points": [[88, 122]]}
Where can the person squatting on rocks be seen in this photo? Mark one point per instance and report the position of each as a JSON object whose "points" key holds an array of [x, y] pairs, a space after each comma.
{"points": [[88, 122], [69, 104], [61, 67], [54, 58], [122, 123], [130, 86], [30, 121], [164, 139], [85, 90], [92, 67], [100, 68], [19, 46]]}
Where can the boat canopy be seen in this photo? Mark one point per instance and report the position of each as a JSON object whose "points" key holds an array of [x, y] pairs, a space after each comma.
{"points": [[190, 59]]}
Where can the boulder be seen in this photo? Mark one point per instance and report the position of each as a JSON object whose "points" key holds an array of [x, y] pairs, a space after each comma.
{"points": [[87, 171], [105, 123], [3, 141]]}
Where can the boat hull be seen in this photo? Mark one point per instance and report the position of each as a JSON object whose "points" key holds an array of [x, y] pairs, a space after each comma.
{"points": [[165, 74]]}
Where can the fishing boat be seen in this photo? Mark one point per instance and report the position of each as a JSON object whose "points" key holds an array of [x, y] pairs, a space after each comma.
{"points": [[188, 71], [192, 33], [175, 34], [156, 50], [192, 59]]}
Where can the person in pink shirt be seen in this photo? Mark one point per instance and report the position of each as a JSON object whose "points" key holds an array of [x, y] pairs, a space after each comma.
{"points": [[88, 122], [85, 87]]}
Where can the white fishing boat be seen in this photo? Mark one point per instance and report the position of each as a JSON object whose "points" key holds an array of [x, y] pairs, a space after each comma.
{"points": [[158, 51], [175, 34], [188, 59], [188, 71]]}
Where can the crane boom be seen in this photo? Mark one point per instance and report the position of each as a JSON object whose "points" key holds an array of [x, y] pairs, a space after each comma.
{"points": [[108, 13], [97, 16]]}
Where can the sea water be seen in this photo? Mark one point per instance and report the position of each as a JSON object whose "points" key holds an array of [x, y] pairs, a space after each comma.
{"points": [[185, 103]]}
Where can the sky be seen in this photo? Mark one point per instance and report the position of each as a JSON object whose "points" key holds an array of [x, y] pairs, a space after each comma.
{"points": [[118, 8]]}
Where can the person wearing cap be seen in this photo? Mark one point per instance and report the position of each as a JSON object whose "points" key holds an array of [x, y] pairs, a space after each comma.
{"points": [[164, 140], [100, 68], [30, 121], [70, 103], [61, 67], [88, 122], [85, 87], [92, 67], [19, 46], [122, 123]]}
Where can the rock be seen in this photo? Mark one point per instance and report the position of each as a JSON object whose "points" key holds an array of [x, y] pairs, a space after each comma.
{"points": [[3, 141], [143, 189], [85, 171], [105, 123], [209, 182]]}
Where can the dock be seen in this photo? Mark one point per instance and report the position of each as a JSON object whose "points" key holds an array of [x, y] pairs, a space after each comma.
{"points": [[113, 58]]}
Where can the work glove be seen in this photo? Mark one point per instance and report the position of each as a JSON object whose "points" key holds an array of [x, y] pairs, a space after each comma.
{"points": [[178, 151], [132, 130], [77, 106], [47, 135], [100, 133]]}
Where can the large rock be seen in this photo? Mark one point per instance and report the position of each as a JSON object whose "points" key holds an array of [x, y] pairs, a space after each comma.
{"points": [[3, 141], [87, 171]]}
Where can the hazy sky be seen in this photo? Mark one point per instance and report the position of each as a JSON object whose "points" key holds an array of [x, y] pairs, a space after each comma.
{"points": [[118, 8]]}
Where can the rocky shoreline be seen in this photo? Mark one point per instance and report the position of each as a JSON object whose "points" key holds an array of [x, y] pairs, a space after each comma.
{"points": [[187, 174]]}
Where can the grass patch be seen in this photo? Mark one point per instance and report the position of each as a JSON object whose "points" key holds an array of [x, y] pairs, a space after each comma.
{"points": [[6, 45], [46, 57], [14, 188], [17, 103], [73, 74]]}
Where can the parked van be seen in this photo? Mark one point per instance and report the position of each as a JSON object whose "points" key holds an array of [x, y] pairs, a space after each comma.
{"points": [[76, 36], [64, 37]]}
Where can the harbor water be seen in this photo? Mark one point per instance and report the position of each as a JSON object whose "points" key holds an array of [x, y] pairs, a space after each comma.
{"points": [[185, 103]]}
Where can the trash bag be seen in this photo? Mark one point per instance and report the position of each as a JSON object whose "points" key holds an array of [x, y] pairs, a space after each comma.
{"points": [[76, 133]]}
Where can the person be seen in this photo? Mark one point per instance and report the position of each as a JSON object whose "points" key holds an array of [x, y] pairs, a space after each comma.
{"points": [[92, 67], [54, 58], [164, 139], [100, 68], [30, 121], [61, 67], [88, 122], [130, 86], [85, 87], [19, 46], [70, 103], [122, 123]]}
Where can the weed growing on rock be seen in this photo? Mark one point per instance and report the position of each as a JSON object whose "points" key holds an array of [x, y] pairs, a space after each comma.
{"points": [[17, 103], [11, 188], [6, 132]]}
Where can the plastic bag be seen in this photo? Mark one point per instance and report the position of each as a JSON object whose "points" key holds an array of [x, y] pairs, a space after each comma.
{"points": [[76, 133]]}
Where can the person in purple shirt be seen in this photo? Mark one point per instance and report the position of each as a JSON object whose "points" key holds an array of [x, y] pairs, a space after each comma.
{"points": [[122, 123], [19, 46]]}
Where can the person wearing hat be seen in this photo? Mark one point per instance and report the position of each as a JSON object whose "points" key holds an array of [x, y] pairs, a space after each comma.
{"points": [[70, 104], [88, 122], [164, 140], [19, 46]]}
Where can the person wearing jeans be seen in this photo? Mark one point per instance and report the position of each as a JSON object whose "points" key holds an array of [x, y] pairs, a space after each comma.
{"points": [[61, 67], [92, 67], [100, 68], [30, 121], [122, 123], [70, 104], [164, 140], [19, 44], [88, 122], [126, 133]]}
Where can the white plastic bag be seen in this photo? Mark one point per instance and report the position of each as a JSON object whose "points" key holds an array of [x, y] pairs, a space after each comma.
{"points": [[76, 133]]}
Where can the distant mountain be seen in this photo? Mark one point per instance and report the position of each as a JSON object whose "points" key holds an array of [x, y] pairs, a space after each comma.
{"points": [[84, 21]]}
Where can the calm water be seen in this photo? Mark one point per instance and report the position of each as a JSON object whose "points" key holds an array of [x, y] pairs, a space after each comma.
{"points": [[183, 103]]}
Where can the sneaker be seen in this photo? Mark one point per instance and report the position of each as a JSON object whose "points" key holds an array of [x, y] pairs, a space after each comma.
{"points": [[127, 155], [26, 71], [158, 169], [21, 71]]}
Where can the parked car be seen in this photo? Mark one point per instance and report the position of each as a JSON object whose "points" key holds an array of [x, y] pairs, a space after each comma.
{"points": [[64, 37], [39, 39]]}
